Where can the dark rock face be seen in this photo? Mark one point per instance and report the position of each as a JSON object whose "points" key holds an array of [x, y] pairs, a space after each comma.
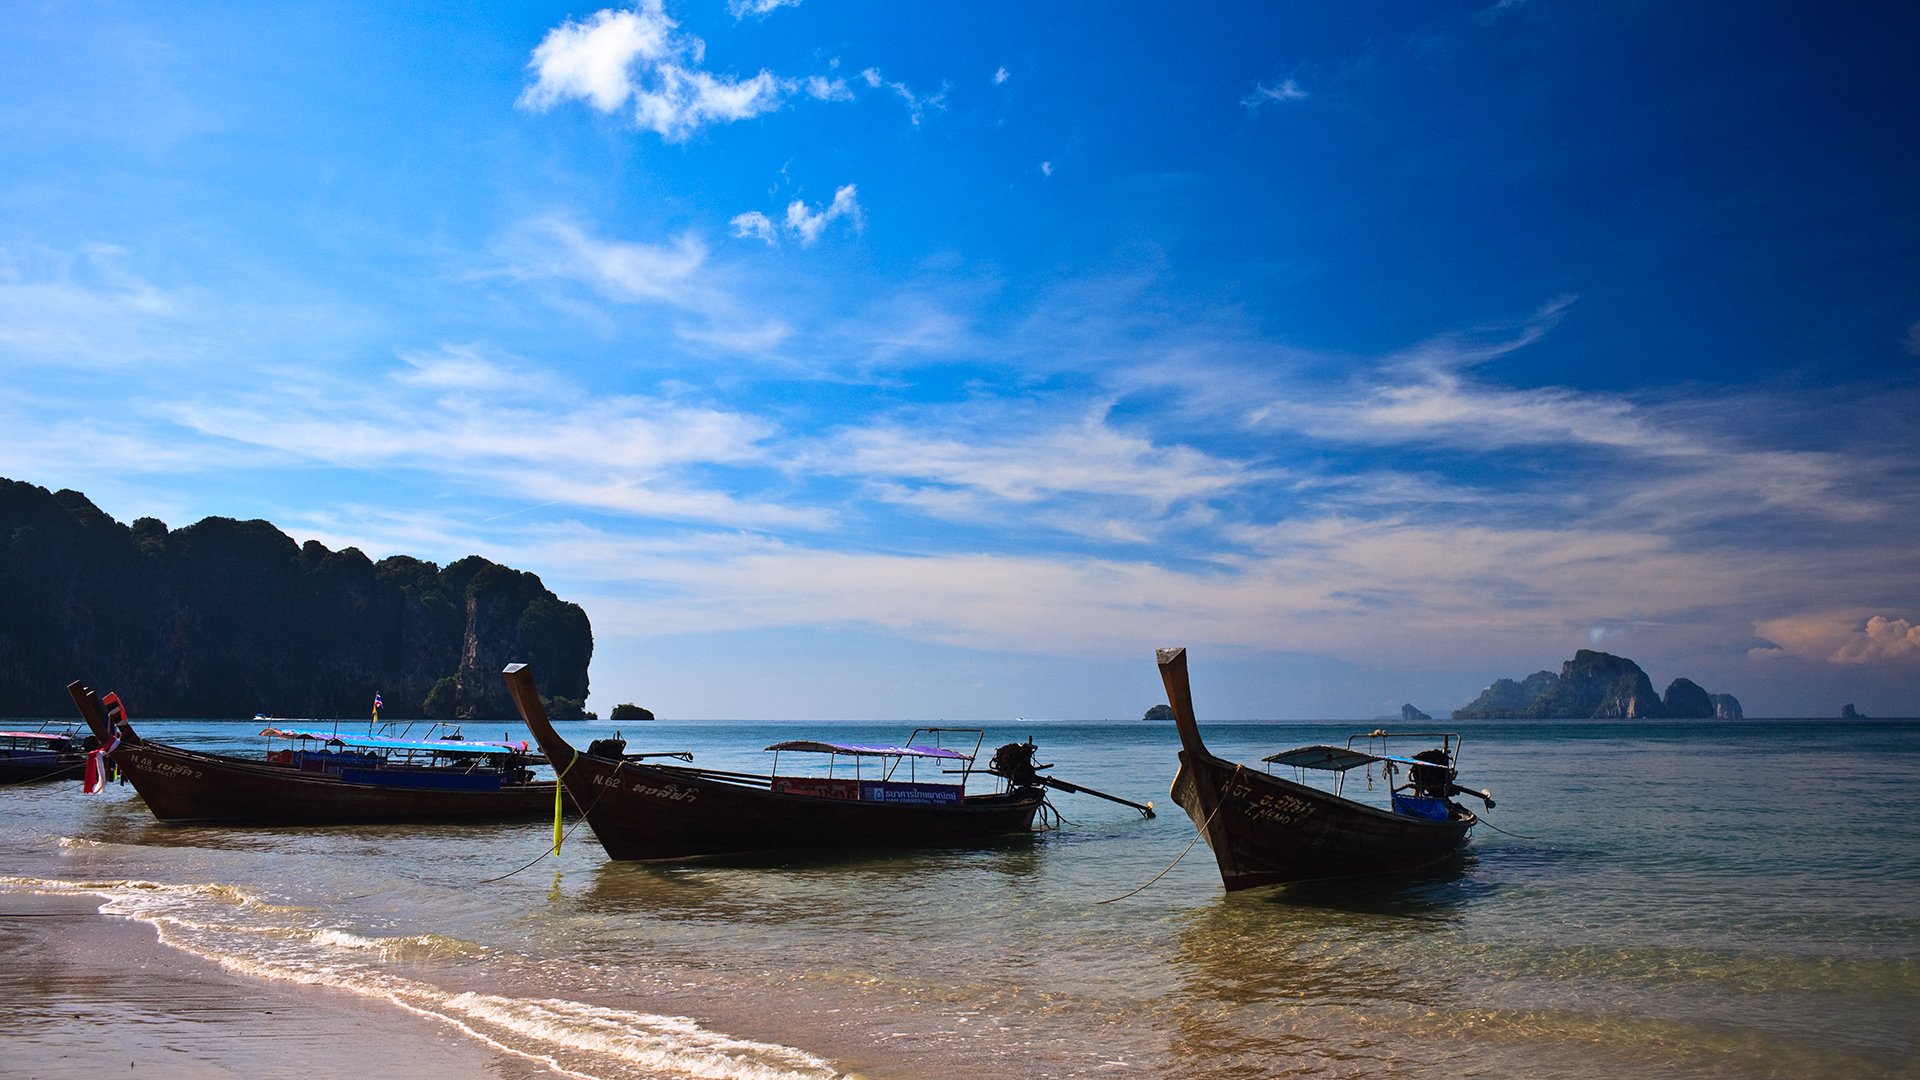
{"points": [[1507, 699], [1685, 700], [1726, 707], [230, 618], [627, 710], [1409, 714], [1591, 685], [1848, 712]]}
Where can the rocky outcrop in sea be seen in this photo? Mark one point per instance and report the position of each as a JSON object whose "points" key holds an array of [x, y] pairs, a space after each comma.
{"points": [[1595, 685]]}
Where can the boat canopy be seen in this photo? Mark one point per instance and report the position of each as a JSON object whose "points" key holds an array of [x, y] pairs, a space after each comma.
{"points": [[383, 742], [1334, 758], [870, 750], [45, 736]]}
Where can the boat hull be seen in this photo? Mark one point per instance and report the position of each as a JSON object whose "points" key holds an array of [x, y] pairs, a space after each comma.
{"points": [[1267, 830], [188, 787], [182, 786], [40, 768], [655, 812], [640, 811]]}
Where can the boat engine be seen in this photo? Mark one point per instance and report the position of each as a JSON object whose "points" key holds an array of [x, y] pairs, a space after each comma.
{"points": [[1433, 780], [615, 747], [1015, 762]]}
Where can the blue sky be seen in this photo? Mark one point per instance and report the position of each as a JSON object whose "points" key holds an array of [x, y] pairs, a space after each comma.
{"points": [[902, 361]]}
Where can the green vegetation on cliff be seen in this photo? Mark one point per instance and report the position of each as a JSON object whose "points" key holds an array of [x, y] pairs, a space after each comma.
{"points": [[230, 618]]}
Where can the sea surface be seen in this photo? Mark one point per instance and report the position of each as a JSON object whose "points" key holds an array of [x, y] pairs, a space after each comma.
{"points": [[1648, 899]]}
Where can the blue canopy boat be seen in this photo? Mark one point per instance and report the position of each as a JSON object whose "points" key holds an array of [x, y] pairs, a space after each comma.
{"points": [[875, 798], [322, 777], [1269, 830]]}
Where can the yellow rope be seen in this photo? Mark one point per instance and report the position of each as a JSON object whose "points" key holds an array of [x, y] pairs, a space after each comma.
{"points": [[559, 796], [1202, 831]]}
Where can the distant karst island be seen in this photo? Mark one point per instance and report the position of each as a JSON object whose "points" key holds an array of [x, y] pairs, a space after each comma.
{"points": [[1596, 685], [233, 618]]}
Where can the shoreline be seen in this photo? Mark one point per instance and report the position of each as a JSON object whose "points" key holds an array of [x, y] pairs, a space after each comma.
{"points": [[99, 994]]}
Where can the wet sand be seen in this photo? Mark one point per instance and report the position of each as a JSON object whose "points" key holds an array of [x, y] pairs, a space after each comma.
{"points": [[97, 995]]}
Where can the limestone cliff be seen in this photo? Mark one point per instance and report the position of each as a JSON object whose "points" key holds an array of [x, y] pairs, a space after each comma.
{"points": [[1591, 685], [230, 618]]}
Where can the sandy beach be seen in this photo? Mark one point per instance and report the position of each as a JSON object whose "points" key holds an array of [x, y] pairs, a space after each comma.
{"points": [[90, 994]]}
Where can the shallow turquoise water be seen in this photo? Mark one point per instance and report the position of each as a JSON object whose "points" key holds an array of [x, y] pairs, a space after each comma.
{"points": [[1666, 899]]}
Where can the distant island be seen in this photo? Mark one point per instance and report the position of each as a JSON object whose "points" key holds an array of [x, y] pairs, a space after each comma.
{"points": [[1159, 712], [232, 618], [627, 710], [1596, 685]]}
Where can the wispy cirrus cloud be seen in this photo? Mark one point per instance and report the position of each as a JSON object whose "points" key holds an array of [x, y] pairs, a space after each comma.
{"points": [[556, 247], [1264, 94], [741, 9], [918, 104], [85, 305]]}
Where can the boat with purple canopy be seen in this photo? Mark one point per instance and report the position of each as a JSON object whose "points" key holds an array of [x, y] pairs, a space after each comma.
{"points": [[323, 777], [869, 796], [28, 757]]}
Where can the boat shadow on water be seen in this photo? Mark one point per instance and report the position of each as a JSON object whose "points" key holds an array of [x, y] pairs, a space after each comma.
{"points": [[721, 887], [1440, 891]]}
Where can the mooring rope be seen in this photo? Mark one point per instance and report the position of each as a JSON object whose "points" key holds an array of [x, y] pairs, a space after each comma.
{"points": [[1482, 820], [1198, 833], [555, 848]]}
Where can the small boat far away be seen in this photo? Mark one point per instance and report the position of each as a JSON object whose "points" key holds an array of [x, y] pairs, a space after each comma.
{"points": [[28, 757], [1268, 830], [322, 778], [640, 810]]}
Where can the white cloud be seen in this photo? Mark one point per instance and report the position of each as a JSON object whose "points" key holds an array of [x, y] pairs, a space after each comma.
{"points": [[636, 57], [555, 247], [594, 60], [1841, 638], [1046, 168], [1264, 94], [740, 9], [917, 105], [1000, 77], [809, 224], [756, 226], [802, 224], [456, 367], [822, 88], [84, 306]]}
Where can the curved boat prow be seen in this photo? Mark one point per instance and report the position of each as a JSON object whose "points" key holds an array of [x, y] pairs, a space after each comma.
{"points": [[526, 698], [106, 722], [1173, 673]]}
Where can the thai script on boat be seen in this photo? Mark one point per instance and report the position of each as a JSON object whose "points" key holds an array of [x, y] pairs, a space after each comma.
{"points": [[671, 792], [170, 768], [1279, 809]]}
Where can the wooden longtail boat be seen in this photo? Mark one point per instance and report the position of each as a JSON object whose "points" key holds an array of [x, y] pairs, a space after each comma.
{"points": [[28, 757], [321, 779], [1268, 830], [640, 810]]}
